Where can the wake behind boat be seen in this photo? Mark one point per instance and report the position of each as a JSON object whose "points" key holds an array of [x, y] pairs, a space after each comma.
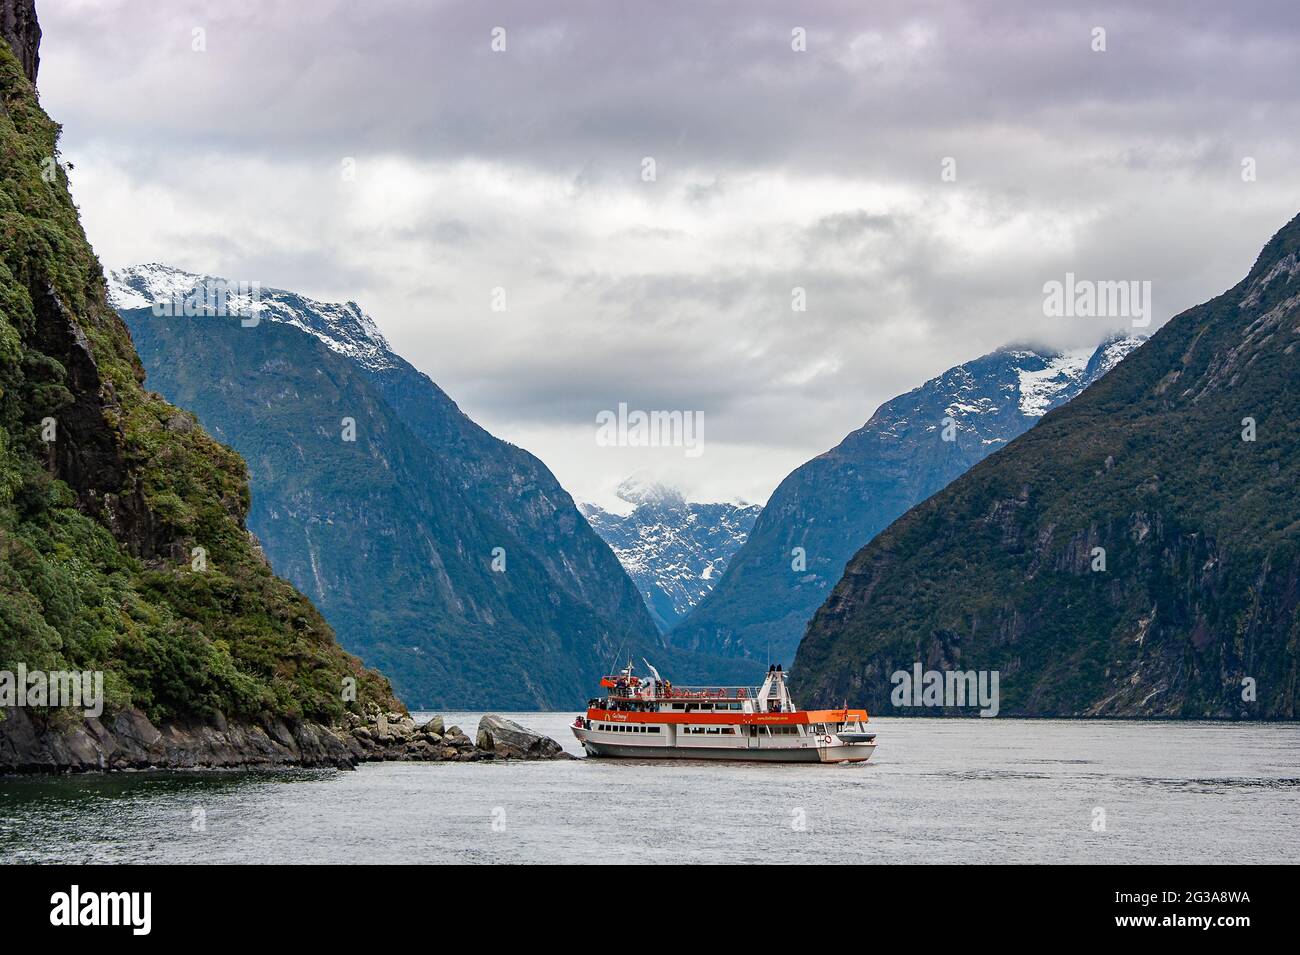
{"points": [[652, 719]]}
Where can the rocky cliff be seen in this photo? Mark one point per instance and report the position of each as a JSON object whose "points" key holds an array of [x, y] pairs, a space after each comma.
{"points": [[20, 29]]}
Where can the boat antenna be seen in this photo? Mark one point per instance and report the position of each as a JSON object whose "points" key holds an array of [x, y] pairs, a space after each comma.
{"points": [[617, 655]]}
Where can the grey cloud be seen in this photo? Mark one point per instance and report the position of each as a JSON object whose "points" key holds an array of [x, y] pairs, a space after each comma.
{"points": [[1123, 164]]}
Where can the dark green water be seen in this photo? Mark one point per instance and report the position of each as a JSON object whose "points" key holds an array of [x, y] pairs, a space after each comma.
{"points": [[936, 791]]}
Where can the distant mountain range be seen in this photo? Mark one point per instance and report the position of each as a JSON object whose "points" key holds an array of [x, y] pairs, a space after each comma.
{"points": [[1135, 554], [674, 550], [825, 510], [451, 560]]}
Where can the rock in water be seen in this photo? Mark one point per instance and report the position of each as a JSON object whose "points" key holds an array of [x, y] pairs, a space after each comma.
{"points": [[506, 739]]}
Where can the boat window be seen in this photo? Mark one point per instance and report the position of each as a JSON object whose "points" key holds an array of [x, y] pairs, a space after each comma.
{"points": [[652, 729], [728, 731]]}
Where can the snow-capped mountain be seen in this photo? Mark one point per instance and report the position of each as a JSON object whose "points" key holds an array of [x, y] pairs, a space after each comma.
{"points": [[674, 550], [396, 534], [343, 327], [828, 508]]}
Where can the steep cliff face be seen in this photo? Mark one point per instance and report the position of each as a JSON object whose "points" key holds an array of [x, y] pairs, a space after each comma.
{"points": [[828, 508], [122, 540], [19, 28], [1135, 554], [419, 578], [449, 558]]}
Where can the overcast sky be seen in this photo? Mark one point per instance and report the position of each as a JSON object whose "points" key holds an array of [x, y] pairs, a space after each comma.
{"points": [[775, 168]]}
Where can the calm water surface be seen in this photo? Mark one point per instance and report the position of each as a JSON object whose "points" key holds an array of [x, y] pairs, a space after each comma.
{"points": [[936, 791]]}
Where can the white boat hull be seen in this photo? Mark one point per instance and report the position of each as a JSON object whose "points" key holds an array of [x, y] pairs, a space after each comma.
{"points": [[833, 753]]}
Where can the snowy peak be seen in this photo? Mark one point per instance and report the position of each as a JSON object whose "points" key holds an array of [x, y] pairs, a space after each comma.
{"points": [[1064, 374], [1014, 382], [342, 327], [1110, 353], [675, 551], [639, 491]]}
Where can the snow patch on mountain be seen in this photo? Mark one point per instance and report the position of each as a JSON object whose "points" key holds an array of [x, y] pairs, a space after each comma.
{"points": [[1039, 388], [1064, 374], [342, 327]]}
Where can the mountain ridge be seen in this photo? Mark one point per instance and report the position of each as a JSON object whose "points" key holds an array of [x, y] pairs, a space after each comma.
{"points": [[824, 510]]}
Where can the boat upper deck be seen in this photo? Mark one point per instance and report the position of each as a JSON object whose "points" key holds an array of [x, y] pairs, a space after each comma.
{"points": [[663, 690], [636, 699]]}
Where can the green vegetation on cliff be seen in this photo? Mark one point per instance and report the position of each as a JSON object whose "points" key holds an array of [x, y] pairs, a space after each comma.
{"points": [[98, 528]]}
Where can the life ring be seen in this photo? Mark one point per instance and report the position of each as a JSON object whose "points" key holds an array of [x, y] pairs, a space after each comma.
{"points": [[826, 740]]}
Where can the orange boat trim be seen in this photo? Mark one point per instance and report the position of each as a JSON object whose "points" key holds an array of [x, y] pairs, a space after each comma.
{"points": [[732, 718]]}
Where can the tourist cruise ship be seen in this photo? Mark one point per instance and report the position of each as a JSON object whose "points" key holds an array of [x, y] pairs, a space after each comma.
{"points": [[650, 718]]}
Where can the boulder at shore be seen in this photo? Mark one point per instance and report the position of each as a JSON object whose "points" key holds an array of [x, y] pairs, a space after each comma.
{"points": [[506, 739]]}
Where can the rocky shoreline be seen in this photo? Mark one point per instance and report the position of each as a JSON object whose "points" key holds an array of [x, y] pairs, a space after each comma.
{"points": [[35, 743]]}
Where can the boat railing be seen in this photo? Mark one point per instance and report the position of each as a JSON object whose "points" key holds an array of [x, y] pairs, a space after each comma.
{"points": [[710, 693], [666, 691]]}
